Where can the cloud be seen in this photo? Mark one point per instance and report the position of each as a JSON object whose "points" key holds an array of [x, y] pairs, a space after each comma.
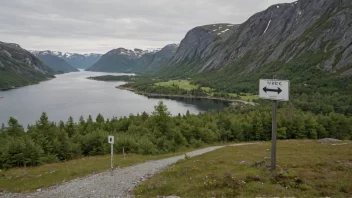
{"points": [[101, 25]]}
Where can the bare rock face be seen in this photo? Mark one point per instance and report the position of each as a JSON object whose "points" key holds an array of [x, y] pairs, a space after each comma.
{"points": [[156, 59], [283, 32], [20, 64]]}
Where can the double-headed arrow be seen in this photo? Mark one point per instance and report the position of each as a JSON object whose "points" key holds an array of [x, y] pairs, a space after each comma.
{"points": [[278, 90]]}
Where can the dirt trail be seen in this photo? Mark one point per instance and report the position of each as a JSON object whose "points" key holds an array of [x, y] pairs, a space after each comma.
{"points": [[104, 184]]}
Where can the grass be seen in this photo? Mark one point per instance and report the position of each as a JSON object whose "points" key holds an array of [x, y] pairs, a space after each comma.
{"points": [[249, 97], [31, 178], [306, 169], [186, 85], [244, 96], [182, 84]]}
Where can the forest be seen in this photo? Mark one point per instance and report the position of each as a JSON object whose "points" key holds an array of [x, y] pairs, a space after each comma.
{"points": [[160, 132]]}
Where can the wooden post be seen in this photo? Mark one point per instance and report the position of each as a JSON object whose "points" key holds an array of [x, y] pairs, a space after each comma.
{"points": [[123, 151], [112, 158], [273, 136]]}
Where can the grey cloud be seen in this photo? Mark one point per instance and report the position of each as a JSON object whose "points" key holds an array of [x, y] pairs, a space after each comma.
{"points": [[100, 25]]}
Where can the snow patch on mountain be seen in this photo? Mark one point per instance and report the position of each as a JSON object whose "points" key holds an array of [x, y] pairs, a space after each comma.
{"points": [[267, 26]]}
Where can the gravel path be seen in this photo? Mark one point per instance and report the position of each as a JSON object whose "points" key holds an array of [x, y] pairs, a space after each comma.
{"points": [[105, 185]]}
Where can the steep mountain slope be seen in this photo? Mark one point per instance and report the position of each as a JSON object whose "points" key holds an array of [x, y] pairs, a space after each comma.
{"points": [[289, 40], [54, 61], [82, 61], [137, 60], [152, 62], [118, 60], [19, 67]]}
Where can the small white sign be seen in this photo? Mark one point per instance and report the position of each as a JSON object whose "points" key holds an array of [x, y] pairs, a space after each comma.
{"points": [[273, 89], [111, 139]]}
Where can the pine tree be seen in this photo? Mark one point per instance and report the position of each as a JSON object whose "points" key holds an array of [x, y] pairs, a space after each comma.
{"points": [[14, 128], [70, 128], [2, 127], [100, 119]]}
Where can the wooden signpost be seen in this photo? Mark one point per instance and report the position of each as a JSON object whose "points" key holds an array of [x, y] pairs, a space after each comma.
{"points": [[275, 90], [111, 142]]}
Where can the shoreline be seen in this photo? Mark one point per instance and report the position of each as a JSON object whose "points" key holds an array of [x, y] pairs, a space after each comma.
{"points": [[233, 101], [29, 84]]}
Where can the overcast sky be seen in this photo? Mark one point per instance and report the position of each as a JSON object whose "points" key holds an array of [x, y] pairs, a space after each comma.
{"points": [[86, 26]]}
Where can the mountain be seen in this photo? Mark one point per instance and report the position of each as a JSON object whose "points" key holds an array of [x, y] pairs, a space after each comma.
{"points": [[18, 67], [137, 60], [81, 61], [297, 41], [52, 59], [118, 60], [152, 62]]}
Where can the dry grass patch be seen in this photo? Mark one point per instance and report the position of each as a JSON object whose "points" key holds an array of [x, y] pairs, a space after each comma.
{"points": [[306, 168]]}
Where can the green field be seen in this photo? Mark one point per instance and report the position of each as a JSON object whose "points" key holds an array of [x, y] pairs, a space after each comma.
{"points": [[186, 85], [306, 169], [182, 84]]}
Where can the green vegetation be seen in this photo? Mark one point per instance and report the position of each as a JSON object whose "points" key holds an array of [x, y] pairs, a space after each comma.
{"points": [[9, 80], [115, 78], [158, 133], [311, 88], [182, 84], [27, 179], [306, 169], [19, 68], [147, 84]]}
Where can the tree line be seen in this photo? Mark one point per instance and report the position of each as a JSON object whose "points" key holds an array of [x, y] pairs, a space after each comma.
{"points": [[159, 132]]}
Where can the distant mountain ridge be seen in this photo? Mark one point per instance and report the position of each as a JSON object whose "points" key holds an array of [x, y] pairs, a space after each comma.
{"points": [[18, 67], [52, 59], [81, 61], [137, 60]]}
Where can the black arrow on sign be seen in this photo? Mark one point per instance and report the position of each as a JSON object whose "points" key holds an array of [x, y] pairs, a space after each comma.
{"points": [[278, 90]]}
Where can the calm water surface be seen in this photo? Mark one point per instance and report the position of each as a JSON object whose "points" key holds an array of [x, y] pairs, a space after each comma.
{"points": [[74, 95]]}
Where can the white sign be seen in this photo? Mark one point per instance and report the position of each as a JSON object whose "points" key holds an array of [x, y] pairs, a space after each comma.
{"points": [[111, 139], [274, 89]]}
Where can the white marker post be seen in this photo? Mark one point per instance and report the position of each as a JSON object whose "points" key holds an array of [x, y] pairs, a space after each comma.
{"points": [[275, 90], [111, 142]]}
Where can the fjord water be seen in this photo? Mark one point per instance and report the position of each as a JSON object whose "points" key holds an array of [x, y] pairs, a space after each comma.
{"points": [[74, 95]]}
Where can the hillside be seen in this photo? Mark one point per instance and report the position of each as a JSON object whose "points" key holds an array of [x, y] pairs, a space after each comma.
{"points": [[118, 60], [242, 171], [298, 41], [55, 62], [137, 60], [81, 61], [18, 67], [156, 60]]}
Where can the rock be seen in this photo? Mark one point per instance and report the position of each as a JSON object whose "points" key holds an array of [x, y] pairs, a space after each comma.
{"points": [[328, 140], [276, 34], [39, 190], [258, 164], [245, 162]]}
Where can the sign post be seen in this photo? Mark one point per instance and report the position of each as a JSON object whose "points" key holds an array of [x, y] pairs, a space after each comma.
{"points": [[275, 90], [111, 142]]}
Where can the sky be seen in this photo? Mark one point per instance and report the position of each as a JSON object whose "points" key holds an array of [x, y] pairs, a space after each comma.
{"points": [[97, 26]]}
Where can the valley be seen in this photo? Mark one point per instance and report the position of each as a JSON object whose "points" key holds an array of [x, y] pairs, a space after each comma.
{"points": [[162, 97], [72, 94]]}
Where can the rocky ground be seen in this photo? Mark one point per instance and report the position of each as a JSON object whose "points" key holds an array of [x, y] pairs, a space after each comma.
{"points": [[119, 183]]}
